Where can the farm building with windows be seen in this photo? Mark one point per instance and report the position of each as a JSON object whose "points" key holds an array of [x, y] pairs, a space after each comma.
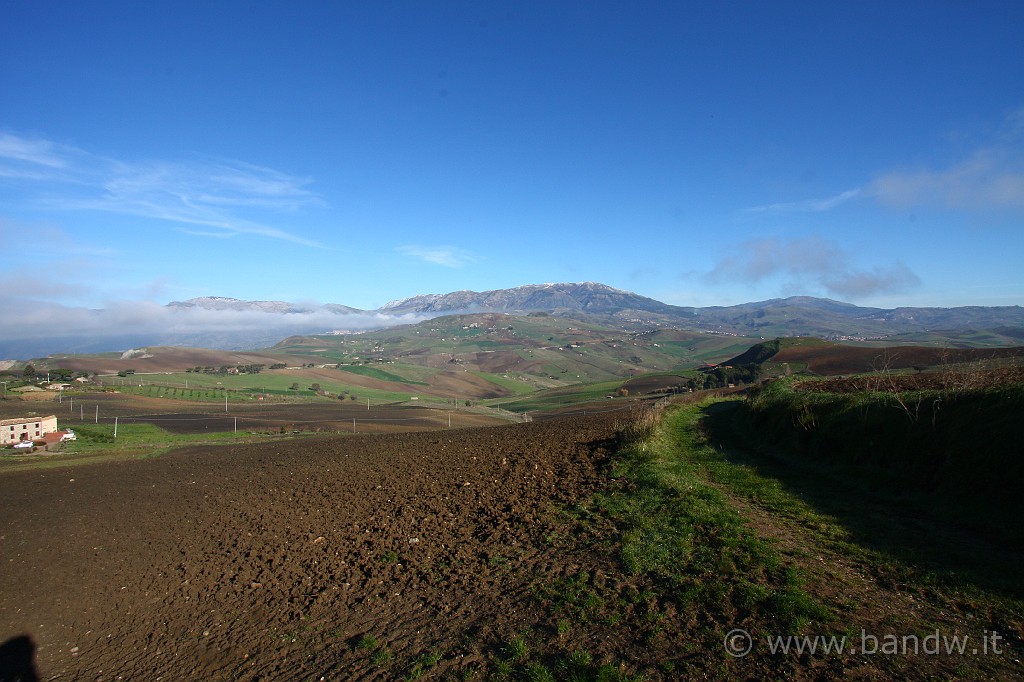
{"points": [[26, 428]]}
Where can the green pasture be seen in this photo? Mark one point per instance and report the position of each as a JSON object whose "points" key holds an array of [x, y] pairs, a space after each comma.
{"points": [[558, 397], [379, 374], [514, 385], [244, 387], [97, 443]]}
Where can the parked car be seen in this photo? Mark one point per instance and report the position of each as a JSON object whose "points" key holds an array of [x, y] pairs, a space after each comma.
{"points": [[69, 435], [23, 445]]}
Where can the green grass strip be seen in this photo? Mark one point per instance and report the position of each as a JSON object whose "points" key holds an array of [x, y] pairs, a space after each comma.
{"points": [[681, 530]]}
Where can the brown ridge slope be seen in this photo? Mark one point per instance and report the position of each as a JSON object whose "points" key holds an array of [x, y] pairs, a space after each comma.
{"points": [[834, 359], [246, 563]]}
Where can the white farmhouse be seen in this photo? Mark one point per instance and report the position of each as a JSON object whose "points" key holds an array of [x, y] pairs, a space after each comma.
{"points": [[26, 428]]}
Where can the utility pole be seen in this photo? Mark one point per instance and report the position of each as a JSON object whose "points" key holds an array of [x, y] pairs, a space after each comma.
{"points": [[97, 414], [115, 427]]}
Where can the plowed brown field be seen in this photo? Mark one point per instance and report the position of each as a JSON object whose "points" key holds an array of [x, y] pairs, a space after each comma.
{"points": [[274, 562]]}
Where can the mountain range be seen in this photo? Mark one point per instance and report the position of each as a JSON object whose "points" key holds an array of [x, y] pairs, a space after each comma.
{"points": [[234, 324], [595, 302]]}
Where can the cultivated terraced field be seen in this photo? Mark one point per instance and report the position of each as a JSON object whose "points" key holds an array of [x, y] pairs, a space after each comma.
{"points": [[275, 562]]}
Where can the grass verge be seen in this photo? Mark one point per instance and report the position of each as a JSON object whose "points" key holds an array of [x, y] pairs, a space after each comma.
{"points": [[663, 566], [684, 533]]}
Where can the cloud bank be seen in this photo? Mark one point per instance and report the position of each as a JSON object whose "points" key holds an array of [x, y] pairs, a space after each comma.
{"points": [[122, 324]]}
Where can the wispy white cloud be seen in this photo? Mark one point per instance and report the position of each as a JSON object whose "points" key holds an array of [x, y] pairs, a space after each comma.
{"points": [[808, 205], [989, 179], [200, 192], [448, 256], [810, 261], [26, 152]]}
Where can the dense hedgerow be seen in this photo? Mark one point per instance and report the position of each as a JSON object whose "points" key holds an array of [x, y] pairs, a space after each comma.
{"points": [[963, 450]]}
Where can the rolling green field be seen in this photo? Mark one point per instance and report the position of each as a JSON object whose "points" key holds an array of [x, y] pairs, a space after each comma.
{"points": [[382, 375], [515, 386], [559, 397], [275, 384]]}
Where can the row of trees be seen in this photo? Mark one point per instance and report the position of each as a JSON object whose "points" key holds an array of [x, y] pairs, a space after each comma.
{"points": [[721, 377], [224, 369], [29, 373]]}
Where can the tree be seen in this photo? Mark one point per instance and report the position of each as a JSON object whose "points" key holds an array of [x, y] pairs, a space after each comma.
{"points": [[315, 388], [294, 386], [30, 371]]}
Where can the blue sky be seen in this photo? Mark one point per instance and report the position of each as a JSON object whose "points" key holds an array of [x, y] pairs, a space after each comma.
{"points": [[697, 153]]}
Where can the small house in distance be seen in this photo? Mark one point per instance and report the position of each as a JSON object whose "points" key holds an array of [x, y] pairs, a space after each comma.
{"points": [[26, 428]]}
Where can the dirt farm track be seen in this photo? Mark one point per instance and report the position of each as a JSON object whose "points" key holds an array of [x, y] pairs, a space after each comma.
{"points": [[274, 561]]}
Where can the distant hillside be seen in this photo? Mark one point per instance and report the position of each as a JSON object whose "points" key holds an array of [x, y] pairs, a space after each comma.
{"points": [[825, 358], [795, 316], [756, 354], [276, 307], [587, 297], [825, 318], [234, 324]]}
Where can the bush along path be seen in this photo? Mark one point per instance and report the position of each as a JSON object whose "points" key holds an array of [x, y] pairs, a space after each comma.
{"points": [[914, 594]]}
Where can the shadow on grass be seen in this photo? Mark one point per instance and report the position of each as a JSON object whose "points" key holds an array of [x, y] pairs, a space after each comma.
{"points": [[917, 530]]}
